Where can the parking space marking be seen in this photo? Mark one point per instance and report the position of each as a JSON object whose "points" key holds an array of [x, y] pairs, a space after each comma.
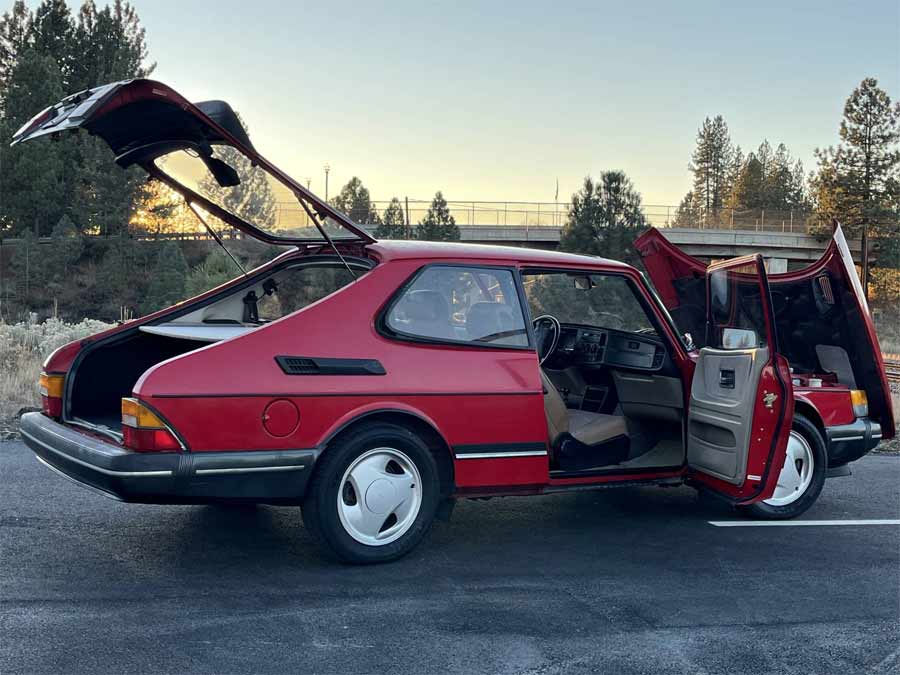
{"points": [[798, 523]]}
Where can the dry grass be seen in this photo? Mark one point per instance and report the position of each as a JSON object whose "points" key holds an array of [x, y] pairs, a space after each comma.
{"points": [[23, 348]]}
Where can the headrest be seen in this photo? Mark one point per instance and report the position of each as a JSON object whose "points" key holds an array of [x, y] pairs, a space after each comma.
{"points": [[426, 306]]}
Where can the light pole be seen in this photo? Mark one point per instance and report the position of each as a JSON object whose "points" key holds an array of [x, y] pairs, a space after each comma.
{"points": [[327, 169]]}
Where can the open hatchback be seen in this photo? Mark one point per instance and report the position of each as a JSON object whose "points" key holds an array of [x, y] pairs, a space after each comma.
{"points": [[374, 382], [201, 151]]}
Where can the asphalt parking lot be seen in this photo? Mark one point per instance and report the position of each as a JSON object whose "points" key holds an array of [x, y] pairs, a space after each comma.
{"points": [[619, 581]]}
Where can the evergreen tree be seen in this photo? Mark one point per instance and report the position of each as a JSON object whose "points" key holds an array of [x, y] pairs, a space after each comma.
{"points": [[858, 182], [355, 201], [689, 212], [168, 279], [711, 163], [393, 222], [253, 198], [34, 178], [438, 224], [15, 37], [216, 269], [604, 218]]}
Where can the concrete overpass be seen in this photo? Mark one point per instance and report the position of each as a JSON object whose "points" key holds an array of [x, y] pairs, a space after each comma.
{"points": [[780, 248]]}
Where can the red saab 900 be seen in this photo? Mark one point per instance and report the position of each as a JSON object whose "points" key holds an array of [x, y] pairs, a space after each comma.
{"points": [[374, 383]]}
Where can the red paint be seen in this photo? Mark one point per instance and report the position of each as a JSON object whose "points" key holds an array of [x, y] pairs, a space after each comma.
{"points": [[665, 264]]}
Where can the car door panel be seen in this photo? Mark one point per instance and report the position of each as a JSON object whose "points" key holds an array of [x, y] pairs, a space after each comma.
{"points": [[741, 402], [718, 433]]}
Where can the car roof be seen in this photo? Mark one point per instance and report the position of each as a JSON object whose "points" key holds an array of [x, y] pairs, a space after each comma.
{"points": [[388, 249]]}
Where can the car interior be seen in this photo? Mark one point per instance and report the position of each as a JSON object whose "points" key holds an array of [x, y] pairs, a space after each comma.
{"points": [[613, 397]]}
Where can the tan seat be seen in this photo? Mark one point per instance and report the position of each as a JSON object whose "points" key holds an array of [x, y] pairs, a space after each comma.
{"points": [[586, 427]]}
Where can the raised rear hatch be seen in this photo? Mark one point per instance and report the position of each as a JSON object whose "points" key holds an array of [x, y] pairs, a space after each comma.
{"points": [[200, 150]]}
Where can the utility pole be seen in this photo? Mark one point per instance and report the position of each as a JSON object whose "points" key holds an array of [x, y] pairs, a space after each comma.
{"points": [[408, 229], [327, 169]]}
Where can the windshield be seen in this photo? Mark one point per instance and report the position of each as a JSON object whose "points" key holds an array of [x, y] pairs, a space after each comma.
{"points": [[598, 300], [257, 197]]}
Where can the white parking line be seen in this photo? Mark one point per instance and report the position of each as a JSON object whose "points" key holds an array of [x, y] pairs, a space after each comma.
{"points": [[797, 523]]}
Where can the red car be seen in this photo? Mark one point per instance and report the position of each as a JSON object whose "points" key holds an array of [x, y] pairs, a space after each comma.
{"points": [[374, 383]]}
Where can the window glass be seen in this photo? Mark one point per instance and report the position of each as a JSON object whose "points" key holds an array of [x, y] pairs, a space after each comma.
{"points": [[736, 308], [259, 198], [602, 301], [464, 304], [298, 287]]}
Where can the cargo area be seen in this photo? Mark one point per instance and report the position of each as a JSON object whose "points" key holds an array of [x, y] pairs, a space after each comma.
{"points": [[108, 372]]}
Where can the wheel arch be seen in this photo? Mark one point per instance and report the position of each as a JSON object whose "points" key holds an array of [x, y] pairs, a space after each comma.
{"points": [[420, 425], [806, 409]]}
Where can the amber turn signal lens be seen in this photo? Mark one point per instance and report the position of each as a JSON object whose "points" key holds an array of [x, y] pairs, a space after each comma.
{"points": [[860, 402], [52, 385], [138, 416]]}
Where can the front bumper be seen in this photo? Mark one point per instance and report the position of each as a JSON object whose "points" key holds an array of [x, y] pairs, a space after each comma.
{"points": [[849, 442], [267, 476]]}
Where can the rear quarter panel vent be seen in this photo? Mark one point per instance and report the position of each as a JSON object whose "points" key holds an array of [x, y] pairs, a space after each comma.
{"points": [[308, 365]]}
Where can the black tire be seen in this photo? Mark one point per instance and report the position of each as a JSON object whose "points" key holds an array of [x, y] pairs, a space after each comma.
{"points": [[320, 510], [813, 437]]}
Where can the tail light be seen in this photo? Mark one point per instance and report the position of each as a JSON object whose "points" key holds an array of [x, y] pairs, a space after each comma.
{"points": [[860, 402], [143, 430], [52, 393]]}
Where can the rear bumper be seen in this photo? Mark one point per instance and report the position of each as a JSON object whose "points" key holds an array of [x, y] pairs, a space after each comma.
{"points": [[849, 442], [276, 477]]}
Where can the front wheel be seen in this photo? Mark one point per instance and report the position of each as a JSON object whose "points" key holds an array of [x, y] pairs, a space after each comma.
{"points": [[802, 477], [373, 495]]}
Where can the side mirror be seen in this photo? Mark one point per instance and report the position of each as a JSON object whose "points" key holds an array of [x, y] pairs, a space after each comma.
{"points": [[739, 338]]}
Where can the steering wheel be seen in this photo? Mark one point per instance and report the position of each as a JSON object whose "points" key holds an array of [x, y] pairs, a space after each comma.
{"points": [[546, 333]]}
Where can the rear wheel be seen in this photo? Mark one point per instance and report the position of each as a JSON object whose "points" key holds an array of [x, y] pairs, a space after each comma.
{"points": [[802, 477], [373, 495]]}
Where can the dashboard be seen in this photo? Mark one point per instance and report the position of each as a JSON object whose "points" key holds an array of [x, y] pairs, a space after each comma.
{"points": [[594, 347]]}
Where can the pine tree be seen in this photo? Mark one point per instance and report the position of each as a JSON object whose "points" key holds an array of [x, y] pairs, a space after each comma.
{"points": [[216, 269], [15, 37], [604, 218], [393, 222], [858, 182], [253, 198], [355, 201], [168, 279], [711, 164], [689, 213], [438, 224], [34, 179]]}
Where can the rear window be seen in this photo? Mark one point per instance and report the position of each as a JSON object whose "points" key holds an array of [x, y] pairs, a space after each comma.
{"points": [[461, 304]]}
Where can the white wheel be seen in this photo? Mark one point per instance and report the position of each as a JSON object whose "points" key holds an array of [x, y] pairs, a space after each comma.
{"points": [[797, 473], [380, 496]]}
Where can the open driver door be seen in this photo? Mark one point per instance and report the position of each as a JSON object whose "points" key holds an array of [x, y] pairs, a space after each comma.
{"points": [[742, 403]]}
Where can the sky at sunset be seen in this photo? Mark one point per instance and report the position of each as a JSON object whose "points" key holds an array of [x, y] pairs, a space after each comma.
{"points": [[499, 100]]}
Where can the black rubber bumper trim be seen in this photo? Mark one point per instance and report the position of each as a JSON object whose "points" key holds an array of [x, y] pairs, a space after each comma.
{"points": [[277, 476], [849, 442]]}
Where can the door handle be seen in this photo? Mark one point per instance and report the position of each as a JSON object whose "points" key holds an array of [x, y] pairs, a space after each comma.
{"points": [[726, 379]]}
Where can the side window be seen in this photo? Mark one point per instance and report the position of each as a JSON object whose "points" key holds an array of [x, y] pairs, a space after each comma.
{"points": [[736, 309], [462, 304], [295, 288], [603, 301]]}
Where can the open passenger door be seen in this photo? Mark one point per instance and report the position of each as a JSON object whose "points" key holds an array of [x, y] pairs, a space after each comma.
{"points": [[742, 403]]}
